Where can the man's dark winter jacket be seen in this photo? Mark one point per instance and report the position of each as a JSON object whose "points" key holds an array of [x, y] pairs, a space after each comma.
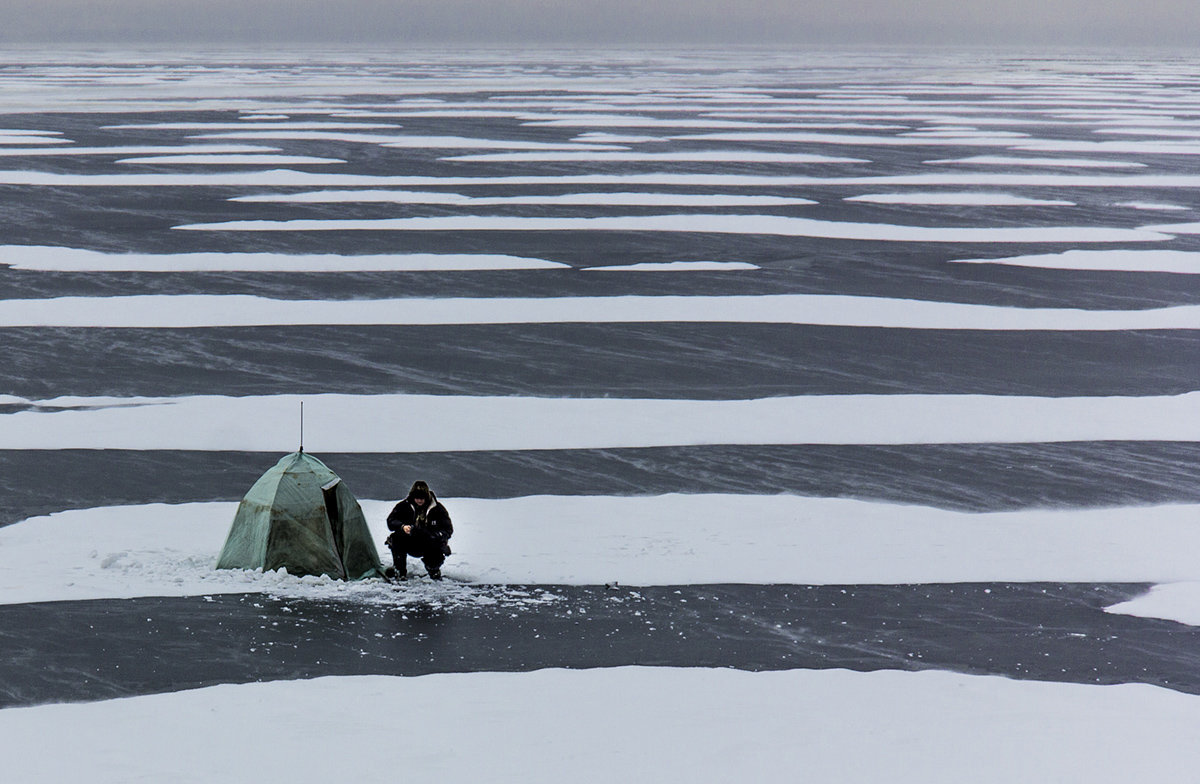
{"points": [[432, 524]]}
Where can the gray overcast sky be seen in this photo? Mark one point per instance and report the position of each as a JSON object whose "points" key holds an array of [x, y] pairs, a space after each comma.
{"points": [[1042, 22]]}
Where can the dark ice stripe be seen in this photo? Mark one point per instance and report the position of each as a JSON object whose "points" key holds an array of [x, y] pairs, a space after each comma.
{"points": [[94, 650], [670, 360], [970, 477]]}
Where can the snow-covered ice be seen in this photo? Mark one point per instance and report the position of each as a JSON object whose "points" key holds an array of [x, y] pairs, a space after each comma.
{"points": [[34, 257], [215, 310], [227, 160], [154, 150], [1173, 601], [171, 550], [281, 125], [675, 266], [288, 178], [963, 198], [1014, 160], [621, 724], [371, 423], [698, 156], [1177, 261], [406, 141], [717, 223], [1152, 205], [566, 199]]}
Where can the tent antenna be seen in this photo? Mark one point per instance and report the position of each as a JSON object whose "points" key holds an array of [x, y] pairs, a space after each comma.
{"points": [[301, 427]]}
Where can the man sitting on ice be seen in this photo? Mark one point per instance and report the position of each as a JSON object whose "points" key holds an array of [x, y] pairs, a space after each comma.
{"points": [[420, 527]]}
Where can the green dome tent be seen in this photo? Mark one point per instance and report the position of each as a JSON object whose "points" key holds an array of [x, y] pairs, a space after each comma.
{"points": [[300, 516]]}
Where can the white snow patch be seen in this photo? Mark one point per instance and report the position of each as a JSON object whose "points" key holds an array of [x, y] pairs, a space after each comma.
{"points": [[212, 310], [291, 178], [225, 160], [676, 266], [27, 132], [379, 423], [33, 257], [1120, 147], [404, 141], [1180, 133], [1012, 160], [31, 141], [1152, 205], [650, 724], [171, 550], [248, 125], [1178, 261], [717, 224], [971, 199], [1178, 602], [622, 199], [601, 137], [208, 149], [982, 139], [700, 156], [1175, 228], [635, 121]]}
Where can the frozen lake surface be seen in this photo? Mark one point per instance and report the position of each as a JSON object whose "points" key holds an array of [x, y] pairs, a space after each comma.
{"points": [[913, 387]]}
